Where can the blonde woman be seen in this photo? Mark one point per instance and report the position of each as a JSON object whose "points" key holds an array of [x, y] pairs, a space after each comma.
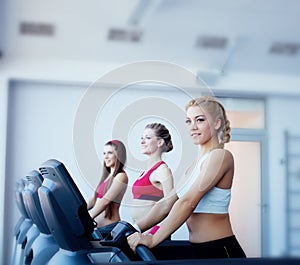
{"points": [[204, 200]]}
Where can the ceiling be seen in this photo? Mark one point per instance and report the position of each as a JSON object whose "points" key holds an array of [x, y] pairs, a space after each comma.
{"points": [[242, 35], [216, 36]]}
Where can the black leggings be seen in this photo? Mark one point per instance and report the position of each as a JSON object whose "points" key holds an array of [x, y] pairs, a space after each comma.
{"points": [[227, 247]]}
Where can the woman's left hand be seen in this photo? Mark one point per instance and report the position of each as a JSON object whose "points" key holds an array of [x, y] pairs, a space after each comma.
{"points": [[139, 239]]}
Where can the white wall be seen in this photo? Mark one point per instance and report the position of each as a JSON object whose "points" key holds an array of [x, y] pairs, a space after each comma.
{"points": [[283, 114], [36, 132], [3, 122]]}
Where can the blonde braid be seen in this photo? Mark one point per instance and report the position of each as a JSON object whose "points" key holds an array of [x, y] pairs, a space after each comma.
{"points": [[224, 132]]}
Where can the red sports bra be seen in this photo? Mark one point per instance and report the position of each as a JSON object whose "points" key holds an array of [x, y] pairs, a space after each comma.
{"points": [[144, 190]]}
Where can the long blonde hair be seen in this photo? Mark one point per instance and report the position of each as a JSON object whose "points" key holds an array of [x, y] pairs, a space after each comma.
{"points": [[214, 108]]}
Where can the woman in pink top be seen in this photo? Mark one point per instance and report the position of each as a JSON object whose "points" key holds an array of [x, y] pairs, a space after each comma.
{"points": [[153, 192], [104, 205]]}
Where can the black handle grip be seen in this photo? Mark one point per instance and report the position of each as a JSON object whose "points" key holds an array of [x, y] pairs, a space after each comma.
{"points": [[144, 253]]}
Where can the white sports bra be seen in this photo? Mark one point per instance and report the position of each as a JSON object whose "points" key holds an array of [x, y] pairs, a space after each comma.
{"points": [[215, 200]]}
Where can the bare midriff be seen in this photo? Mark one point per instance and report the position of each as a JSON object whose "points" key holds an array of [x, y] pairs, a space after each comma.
{"points": [[204, 227], [140, 208], [103, 220]]}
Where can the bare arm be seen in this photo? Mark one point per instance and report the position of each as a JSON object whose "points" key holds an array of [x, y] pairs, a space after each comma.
{"points": [[118, 186], [91, 201], [158, 212], [183, 207]]}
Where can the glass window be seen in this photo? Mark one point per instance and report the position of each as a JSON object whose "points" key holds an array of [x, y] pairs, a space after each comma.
{"points": [[245, 113]]}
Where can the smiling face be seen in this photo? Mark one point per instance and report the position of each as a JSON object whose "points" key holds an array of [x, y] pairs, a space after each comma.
{"points": [[110, 156], [200, 125], [149, 142]]}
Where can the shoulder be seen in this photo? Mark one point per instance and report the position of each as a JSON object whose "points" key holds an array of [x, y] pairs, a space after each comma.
{"points": [[165, 168], [163, 171], [122, 176], [221, 156]]}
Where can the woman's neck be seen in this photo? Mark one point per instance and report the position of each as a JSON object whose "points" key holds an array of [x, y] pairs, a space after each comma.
{"points": [[207, 147], [112, 170], [153, 159]]}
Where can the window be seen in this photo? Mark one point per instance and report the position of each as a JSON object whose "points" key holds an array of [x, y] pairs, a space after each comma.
{"points": [[245, 113]]}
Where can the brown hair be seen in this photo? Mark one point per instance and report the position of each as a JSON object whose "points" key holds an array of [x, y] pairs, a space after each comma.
{"points": [[119, 167], [161, 131], [217, 111]]}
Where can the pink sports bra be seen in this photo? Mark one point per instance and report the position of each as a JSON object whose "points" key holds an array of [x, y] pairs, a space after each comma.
{"points": [[144, 190], [101, 189]]}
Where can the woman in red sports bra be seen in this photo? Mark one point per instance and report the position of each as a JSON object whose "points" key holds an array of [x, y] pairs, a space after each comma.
{"points": [[153, 192], [104, 205]]}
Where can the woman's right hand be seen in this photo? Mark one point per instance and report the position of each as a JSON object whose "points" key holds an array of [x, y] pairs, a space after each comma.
{"points": [[139, 239]]}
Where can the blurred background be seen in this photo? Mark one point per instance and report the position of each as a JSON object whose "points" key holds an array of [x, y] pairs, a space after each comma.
{"points": [[246, 52]]}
